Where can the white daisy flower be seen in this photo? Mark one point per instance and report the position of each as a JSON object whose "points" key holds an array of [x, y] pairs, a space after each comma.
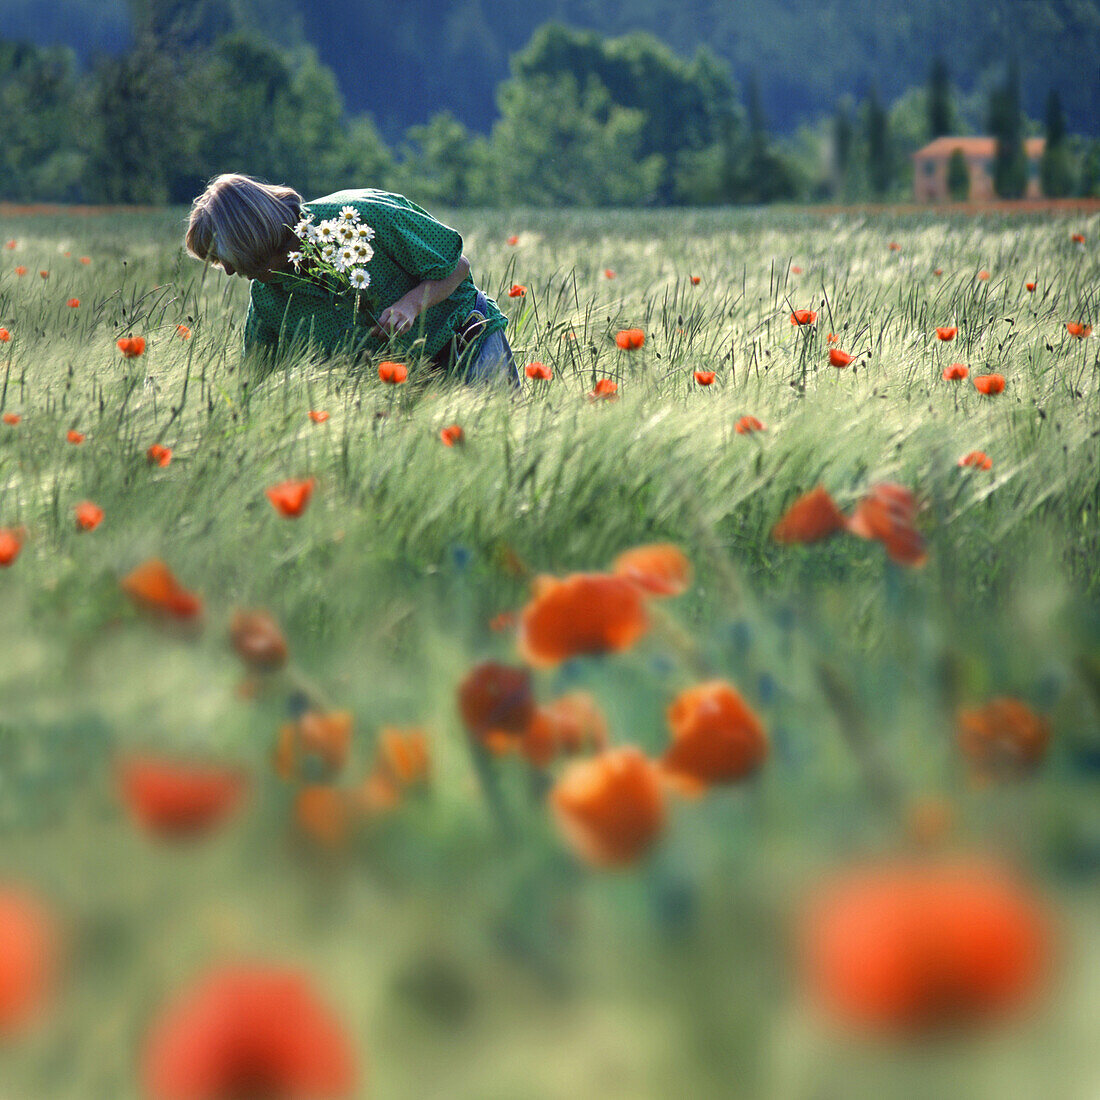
{"points": [[345, 232], [295, 259], [326, 231], [363, 252], [328, 252], [349, 214], [364, 233], [346, 256], [359, 278]]}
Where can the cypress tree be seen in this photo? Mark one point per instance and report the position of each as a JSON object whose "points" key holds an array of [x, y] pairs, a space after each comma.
{"points": [[941, 114], [878, 145], [1055, 170], [1006, 124]]}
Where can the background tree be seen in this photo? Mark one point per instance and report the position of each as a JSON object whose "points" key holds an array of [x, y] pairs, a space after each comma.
{"points": [[941, 111], [1006, 125], [842, 139], [442, 163], [958, 177], [879, 167], [1056, 167], [766, 177]]}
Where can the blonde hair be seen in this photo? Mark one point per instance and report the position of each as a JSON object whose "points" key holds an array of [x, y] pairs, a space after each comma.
{"points": [[241, 221]]}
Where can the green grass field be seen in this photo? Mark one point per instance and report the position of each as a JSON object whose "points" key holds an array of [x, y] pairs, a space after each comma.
{"points": [[465, 949]]}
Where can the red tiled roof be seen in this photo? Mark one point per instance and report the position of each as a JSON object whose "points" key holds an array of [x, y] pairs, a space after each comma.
{"points": [[943, 147]]}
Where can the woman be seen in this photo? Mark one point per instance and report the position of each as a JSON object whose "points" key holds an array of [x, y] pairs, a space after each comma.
{"points": [[419, 301]]}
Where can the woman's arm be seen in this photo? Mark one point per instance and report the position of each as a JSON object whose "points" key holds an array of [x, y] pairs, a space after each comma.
{"points": [[401, 316]]}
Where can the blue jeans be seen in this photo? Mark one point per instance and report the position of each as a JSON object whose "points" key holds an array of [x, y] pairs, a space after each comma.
{"points": [[493, 362]]}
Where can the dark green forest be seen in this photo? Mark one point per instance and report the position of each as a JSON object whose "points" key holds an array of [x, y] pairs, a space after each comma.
{"points": [[569, 102]]}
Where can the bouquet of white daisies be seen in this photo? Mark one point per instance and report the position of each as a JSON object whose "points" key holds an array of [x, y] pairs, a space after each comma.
{"points": [[336, 250]]}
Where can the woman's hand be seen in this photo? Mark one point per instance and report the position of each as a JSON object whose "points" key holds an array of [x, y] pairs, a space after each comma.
{"points": [[396, 320], [399, 318]]}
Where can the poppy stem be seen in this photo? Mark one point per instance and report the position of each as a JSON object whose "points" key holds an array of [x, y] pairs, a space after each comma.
{"points": [[489, 782]]}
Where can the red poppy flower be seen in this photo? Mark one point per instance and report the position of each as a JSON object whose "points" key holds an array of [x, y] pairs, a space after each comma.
{"points": [[131, 346], [838, 358], [716, 738], [85, 259], [44, 274], [695, 280], [257, 639], [832, 338], [610, 808], [1078, 329], [153, 586], [28, 958], [803, 317], [956, 372], [5, 336], [173, 799], [88, 516], [569, 724], [73, 303], [916, 947], [318, 416], [516, 291], [796, 271], [659, 569], [11, 542], [290, 498], [404, 755], [608, 273], [629, 339], [983, 275], [249, 1031], [749, 424], [812, 517], [496, 703], [705, 377], [317, 742], [947, 333], [393, 373], [938, 271], [989, 384], [1005, 736], [1030, 287], [540, 371], [513, 239], [324, 813], [12, 418], [1078, 238], [888, 514], [158, 455], [605, 389], [894, 246], [183, 332], [978, 459], [452, 435], [11, 245], [21, 271], [74, 436], [582, 613]]}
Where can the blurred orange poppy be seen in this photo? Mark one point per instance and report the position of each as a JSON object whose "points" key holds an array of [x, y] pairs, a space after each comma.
{"points": [[393, 373], [812, 517], [605, 389], [516, 290], [938, 271], [183, 332], [989, 384], [803, 317], [946, 334], [496, 703], [540, 371], [611, 807], [324, 813], [983, 275], [1078, 329], [569, 724], [888, 514], [12, 418], [158, 455], [1078, 238], [695, 280], [11, 542], [73, 303], [153, 587], [131, 346], [174, 799], [318, 416], [630, 339], [257, 640], [74, 437], [249, 1031], [88, 516], [581, 614], [716, 738], [513, 239], [20, 270], [316, 744], [608, 273], [832, 338], [289, 498], [911, 947], [978, 459], [44, 274], [894, 246], [452, 435], [659, 569], [11, 245], [838, 358], [85, 259], [749, 424], [795, 270], [956, 372], [403, 755], [1005, 736], [5, 336], [705, 377], [1030, 287], [29, 948]]}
